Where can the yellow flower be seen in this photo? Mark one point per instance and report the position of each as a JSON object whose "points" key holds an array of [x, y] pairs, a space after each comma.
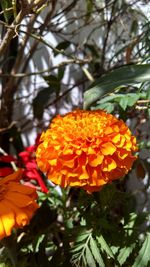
{"points": [[17, 204], [86, 149]]}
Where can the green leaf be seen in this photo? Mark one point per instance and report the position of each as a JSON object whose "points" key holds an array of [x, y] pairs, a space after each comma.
{"points": [[128, 75], [53, 82], [77, 248], [81, 255], [125, 253], [41, 100], [105, 246], [109, 107], [129, 227], [124, 102], [61, 71], [82, 236], [132, 99], [61, 47], [96, 253], [89, 258], [143, 257]]}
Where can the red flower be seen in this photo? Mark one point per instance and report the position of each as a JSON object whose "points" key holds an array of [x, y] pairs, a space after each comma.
{"points": [[6, 170], [31, 172], [26, 160]]}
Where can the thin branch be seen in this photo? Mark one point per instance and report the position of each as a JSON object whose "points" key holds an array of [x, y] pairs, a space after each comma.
{"points": [[26, 9], [63, 63]]}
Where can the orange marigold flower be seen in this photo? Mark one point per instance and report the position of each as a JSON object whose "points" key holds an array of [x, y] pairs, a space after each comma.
{"points": [[17, 204], [86, 149]]}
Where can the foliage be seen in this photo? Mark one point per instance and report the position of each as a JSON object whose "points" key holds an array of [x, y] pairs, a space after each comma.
{"points": [[57, 56]]}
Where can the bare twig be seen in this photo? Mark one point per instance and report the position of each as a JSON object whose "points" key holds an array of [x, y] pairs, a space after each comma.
{"points": [[26, 9], [12, 162]]}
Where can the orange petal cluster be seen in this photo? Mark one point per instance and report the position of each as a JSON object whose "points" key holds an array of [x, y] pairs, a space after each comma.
{"points": [[17, 203], [86, 149]]}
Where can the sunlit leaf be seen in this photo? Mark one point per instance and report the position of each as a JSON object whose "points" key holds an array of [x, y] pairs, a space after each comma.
{"points": [[105, 246], [143, 257], [96, 253], [89, 258], [128, 75], [125, 253]]}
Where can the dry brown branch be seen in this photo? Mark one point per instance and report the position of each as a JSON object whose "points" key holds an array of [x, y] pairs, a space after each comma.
{"points": [[26, 9]]}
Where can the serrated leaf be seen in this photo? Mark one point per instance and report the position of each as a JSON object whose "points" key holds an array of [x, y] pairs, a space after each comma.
{"points": [[109, 107], [79, 255], [82, 236], [124, 102], [128, 75], [96, 253], [132, 99], [105, 246], [89, 258], [77, 248], [125, 253], [115, 249], [130, 225], [84, 263], [143, 257]]}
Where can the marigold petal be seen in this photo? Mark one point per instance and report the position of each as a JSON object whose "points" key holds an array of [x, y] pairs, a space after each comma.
{"points": [[109, 164], [52, 162], [23, 189], [116, 138], [122, 153], [2, 230], [69, 163], [21, 217], [20, 200], [7, 219], [97, 161], [108, 149], [16, 176], [84, 174]]}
